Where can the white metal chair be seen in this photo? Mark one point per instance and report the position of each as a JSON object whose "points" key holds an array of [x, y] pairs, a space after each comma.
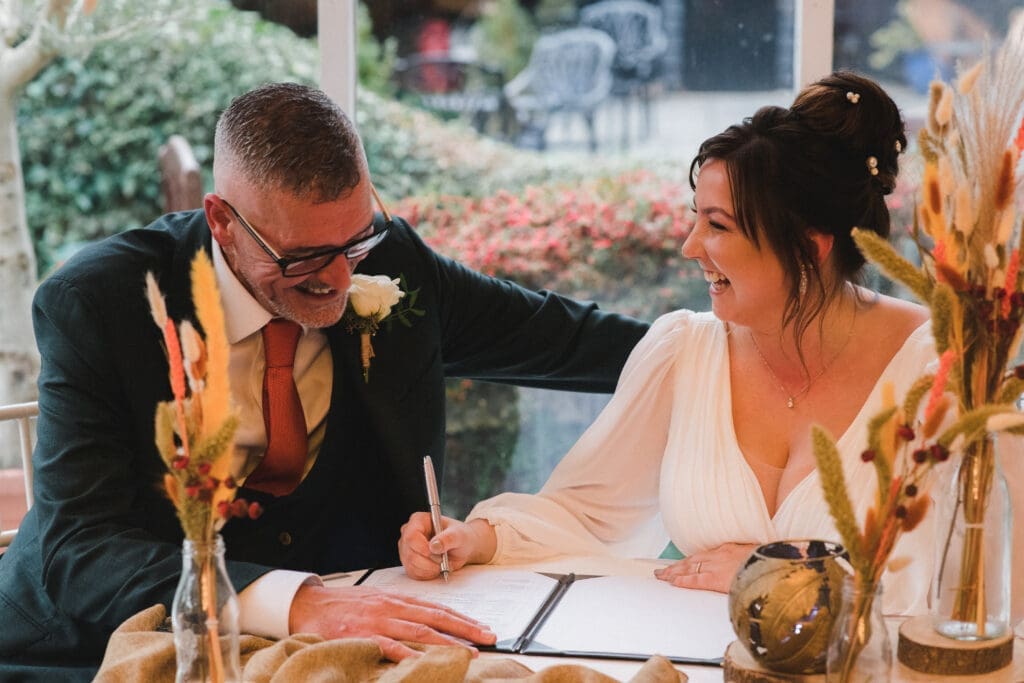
{"points": [[640, 44], [22, 414], [569, 71]]}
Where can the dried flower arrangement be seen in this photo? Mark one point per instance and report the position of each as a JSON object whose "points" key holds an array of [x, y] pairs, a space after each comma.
{"points": [[969, 238], [903, 458], [194, 431]]}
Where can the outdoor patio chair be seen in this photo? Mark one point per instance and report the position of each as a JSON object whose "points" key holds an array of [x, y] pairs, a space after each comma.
{"points": [[455, 86], [640, 42], [15, 482], [569, 71], [180, 182]]}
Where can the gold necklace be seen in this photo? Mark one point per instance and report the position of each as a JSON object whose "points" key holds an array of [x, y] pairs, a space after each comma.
{"points": [[791, 398]]}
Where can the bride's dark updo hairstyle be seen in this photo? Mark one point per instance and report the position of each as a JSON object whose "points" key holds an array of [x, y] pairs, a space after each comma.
{"points": [[823, 165]]}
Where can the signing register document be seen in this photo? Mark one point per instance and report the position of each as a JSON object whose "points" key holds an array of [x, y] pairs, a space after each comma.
{"points": [[630, 617]]}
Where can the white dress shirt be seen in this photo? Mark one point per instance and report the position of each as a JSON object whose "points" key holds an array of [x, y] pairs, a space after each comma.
{"points": [[266, 602]]}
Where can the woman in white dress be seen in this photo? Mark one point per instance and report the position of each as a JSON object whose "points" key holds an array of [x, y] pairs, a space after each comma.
{"points": [[708, 433]]}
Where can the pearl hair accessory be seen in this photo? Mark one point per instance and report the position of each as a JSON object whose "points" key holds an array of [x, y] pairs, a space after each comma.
{"points": [[899, 147], [872, 165], [854, 97]]}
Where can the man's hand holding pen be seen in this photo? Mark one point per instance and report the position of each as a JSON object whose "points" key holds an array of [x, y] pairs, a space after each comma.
{"points": [[466, 543]]}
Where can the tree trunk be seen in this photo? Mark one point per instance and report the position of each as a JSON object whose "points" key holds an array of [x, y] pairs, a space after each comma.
{"points": [[19, 363], [19, 63]]}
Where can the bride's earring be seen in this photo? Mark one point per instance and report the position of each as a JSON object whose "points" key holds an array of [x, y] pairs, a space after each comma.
{"points": [[802, 289]]}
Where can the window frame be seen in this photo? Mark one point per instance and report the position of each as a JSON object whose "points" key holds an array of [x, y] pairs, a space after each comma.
{"points": [[336, 23]]}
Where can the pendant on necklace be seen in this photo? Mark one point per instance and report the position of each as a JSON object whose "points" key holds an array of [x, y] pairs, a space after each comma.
{"points": [[789, 402]]}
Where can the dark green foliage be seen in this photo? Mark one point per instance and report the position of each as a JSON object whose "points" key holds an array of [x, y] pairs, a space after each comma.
{"points": [[504, 36], [374, 60], [483, 427], [90, 129]]}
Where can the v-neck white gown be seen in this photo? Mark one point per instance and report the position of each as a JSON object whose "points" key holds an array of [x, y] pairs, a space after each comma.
{"points": [[664, 454]]}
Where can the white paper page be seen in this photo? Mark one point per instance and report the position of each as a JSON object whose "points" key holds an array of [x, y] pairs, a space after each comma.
{"points": [[638, 615], [504, 599], [342, 579]]}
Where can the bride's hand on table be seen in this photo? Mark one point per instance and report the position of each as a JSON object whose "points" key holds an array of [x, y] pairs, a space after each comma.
{"points": [[466, 543], [711, 570]]}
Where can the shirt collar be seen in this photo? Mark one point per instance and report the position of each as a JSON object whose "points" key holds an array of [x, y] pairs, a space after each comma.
{"points": [[243, 315]]}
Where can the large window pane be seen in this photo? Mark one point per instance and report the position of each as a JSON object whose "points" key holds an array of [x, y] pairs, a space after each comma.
{"points": [[589, 200], [905, 44]]}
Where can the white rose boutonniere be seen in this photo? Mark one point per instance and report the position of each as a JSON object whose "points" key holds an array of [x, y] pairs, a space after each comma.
{"points": [[374, 300]]}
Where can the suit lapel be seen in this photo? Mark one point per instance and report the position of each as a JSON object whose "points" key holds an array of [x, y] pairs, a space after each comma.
{"points": [[177, 282]]}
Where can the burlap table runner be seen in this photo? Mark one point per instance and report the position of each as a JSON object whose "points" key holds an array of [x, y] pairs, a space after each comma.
{"points": [[138, 652]]}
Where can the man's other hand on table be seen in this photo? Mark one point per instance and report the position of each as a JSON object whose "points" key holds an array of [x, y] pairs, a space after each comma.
{"points": [[388, 618]]}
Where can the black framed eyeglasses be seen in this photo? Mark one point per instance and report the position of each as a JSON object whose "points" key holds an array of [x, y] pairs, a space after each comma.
{"points": [[296, 266]]}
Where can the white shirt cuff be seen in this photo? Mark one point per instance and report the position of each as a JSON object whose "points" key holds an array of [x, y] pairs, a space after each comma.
{"points": [[265, 604]]}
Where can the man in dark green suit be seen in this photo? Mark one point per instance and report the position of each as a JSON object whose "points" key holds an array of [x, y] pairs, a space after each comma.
{"points": [[291, 219]]}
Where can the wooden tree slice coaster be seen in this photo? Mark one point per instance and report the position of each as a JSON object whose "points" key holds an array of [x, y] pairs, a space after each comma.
{"points": [[922, 649], [740, 667]]}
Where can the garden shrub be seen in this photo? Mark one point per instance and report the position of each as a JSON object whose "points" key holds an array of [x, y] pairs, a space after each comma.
{"points": [[504, 36], [615, 238], [90, 128]]}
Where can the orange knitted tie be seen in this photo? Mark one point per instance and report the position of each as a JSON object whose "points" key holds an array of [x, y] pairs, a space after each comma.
{"points": [[287, 441]]}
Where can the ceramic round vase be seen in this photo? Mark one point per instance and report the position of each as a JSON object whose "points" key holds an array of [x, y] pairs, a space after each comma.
{"points": [[783, 602]]}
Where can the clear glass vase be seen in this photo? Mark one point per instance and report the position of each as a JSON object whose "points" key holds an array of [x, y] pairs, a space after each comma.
{"points": [[205, 616], [859, 649], [970, 597]]}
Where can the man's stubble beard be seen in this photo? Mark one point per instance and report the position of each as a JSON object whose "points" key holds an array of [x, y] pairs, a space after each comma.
{"points": [[324, 316]]}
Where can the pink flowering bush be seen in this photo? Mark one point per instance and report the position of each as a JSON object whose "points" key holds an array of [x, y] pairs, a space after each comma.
{"points": [[614, 239], [904, 198]]}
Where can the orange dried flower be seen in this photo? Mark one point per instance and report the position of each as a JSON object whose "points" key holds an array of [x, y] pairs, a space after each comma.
{"points": [[1005, 183], [951, 276], [1010, 284], [933, 191], [939, 383], [915, 513]]}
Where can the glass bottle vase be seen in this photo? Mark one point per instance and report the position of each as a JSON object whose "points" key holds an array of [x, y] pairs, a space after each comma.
{"points": [[859, 649], [204, 616], [971, 590]]}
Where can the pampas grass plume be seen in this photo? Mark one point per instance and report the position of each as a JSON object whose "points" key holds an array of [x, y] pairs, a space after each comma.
{"points": [[876, 249], [206, 295], [157, 305], [830, 470]]}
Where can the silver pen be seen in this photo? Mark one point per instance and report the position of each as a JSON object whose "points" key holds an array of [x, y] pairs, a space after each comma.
{"points": [[434, 500]]}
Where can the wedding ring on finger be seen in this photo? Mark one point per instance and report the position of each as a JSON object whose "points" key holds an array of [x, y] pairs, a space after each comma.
{"points": [[700, 563]]}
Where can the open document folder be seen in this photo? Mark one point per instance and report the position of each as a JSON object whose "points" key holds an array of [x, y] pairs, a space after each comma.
{"points": [[626, 617]]}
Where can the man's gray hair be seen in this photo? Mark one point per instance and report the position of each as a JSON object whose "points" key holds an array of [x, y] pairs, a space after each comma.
{"points": [[291, 137]]}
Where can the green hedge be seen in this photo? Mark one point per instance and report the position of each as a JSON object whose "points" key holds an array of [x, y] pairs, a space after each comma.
{"points": [[90, 129]]}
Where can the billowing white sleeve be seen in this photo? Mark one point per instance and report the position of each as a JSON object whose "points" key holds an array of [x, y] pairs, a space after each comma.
{"points": [[604, 492]]}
